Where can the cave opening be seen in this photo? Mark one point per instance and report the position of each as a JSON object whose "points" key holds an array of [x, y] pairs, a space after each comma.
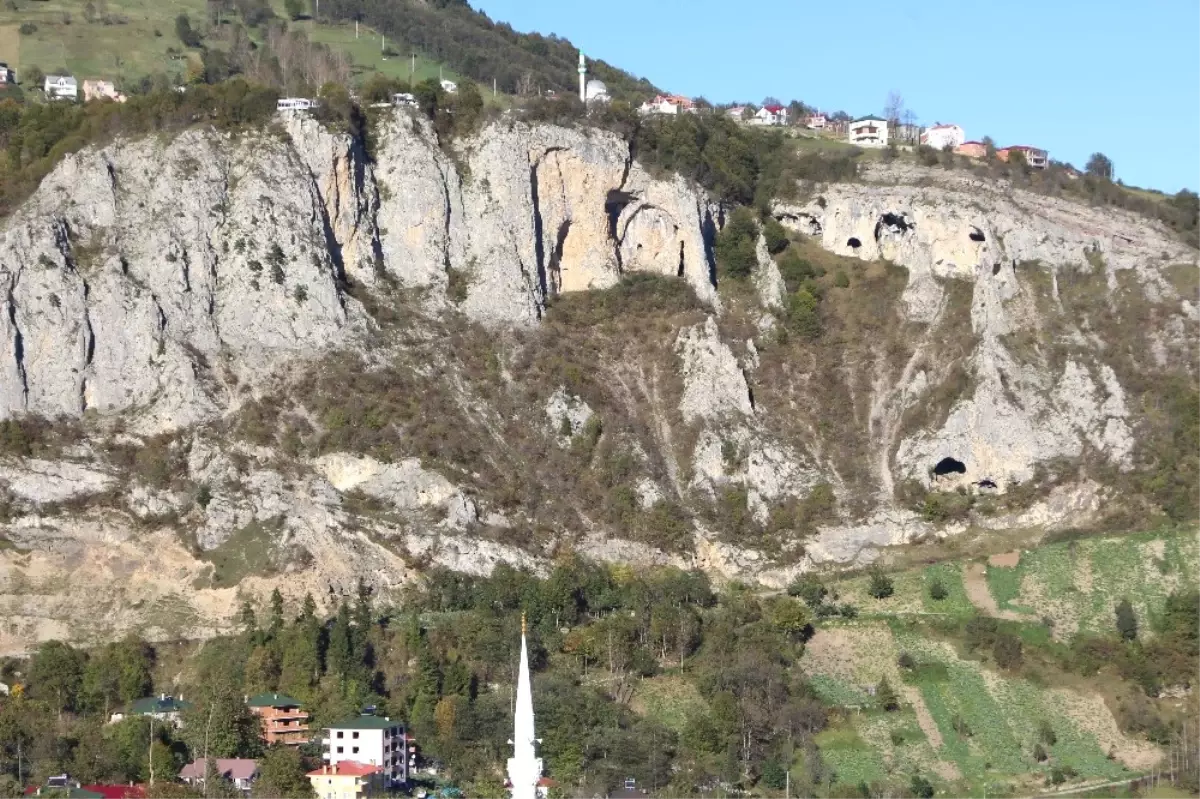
{"points": [[976, 234], [899, 222], [949, 466], [614, 204], [987, 483], [996, 268], [853, 242], [679, 273]]}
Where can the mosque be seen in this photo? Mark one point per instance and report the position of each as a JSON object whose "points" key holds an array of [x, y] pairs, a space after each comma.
{"points": [[590, 91]]}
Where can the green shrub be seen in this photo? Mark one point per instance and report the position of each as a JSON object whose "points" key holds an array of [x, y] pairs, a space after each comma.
{"points": [[736, 245], [841, 279], [808, 588], [937, 590], [880, 585], [803, 317], [775, 236]]}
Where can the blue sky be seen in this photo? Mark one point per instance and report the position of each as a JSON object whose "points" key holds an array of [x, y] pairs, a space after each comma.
{"points": [[1122, 78]]}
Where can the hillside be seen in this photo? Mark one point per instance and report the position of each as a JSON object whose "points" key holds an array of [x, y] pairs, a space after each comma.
{"points": [[127, 40]]}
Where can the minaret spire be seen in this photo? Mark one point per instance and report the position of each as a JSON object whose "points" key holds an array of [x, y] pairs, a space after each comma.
{"points": [[524, 767], [582, 77]]}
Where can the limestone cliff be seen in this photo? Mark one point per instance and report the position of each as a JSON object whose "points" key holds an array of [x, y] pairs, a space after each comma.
{"points": [[238, 362]]}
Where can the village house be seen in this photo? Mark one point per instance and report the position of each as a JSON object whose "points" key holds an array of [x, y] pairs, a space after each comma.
{"points": [[370, 739], [239, 771], [295, 104], [904, 133], [942, 136], [1033, 156], [815, 122], [6, 74], [282, 717], [868, 132], [771, 115], [61, 87], [404, 99], [972, 149], [101, 90], [668, 104], [162, 707], [737, 113], [449, 86], [347, 780]]}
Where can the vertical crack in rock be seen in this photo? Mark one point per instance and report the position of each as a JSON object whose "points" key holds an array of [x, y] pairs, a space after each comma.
{"points": [[18, 345], [539, 248], [554, 269]]}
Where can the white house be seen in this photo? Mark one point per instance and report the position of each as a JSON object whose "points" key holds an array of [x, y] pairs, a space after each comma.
{"points": [[6, 74], [295, 104], [404, 99], [815, 122], [370, 739], [669, 104], [868, 132], [941, 136], [737, 113], [449, 86], [61, 87], [771, 115]]}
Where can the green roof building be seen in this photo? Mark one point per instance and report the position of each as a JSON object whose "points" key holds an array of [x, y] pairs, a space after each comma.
{"points": [[162, 707]]}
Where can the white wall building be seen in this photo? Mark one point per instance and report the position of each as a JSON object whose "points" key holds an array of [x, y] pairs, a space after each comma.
{"points": [[941, 136], [868, 132], [370, 739], [449, 86], [61, 87], [295, 104], [771, 115], [404, 99], [815, 122]]}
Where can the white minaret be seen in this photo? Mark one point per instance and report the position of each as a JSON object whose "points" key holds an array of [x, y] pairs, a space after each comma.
{"points": [[582, 78], [524, 767]]}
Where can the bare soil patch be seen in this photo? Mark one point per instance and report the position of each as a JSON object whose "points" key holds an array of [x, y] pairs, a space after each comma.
{"points": [[1008, 560], [975, 584]]}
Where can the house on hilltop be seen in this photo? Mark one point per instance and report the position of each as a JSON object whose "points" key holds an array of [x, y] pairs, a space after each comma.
{"points": [[1036, 158], [942, 136], [283, 719], [772, 115], [868, 132], [6, 74], [61, 87], [667, 104], [972, 149], [815, 122]]}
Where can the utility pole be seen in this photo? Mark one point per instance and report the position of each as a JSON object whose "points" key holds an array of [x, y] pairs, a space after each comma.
{"points": [[356, 29], [207, 725], [412, 68], [493, 88], [787, 784]]}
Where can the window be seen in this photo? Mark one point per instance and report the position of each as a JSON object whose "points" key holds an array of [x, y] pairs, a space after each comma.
{"points": [[340, 750], [354, 750], [354, 735], [340, 734]]}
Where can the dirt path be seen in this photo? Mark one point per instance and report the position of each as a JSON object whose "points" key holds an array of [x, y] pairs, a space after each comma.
{"points": [[975, 584]]}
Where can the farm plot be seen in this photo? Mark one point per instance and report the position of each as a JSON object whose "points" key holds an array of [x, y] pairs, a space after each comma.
{"points": [[1078, 583]]}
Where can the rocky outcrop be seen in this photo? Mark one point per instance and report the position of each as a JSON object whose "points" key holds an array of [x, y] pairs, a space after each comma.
{"points": [[404, 485], [945, 227], [714, 385], [160, 274]]}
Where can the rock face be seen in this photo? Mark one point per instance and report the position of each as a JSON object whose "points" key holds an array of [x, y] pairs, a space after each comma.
{"points": [[159, 275], [950, 228], [193, 305]]}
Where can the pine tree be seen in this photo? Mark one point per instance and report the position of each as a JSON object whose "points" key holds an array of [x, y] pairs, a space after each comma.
{"points": [[276, 623], [339, 657]]}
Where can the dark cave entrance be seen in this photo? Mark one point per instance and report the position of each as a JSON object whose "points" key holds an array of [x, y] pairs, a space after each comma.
{"points": [[949, 466], [976, 234], [853, 242]]}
